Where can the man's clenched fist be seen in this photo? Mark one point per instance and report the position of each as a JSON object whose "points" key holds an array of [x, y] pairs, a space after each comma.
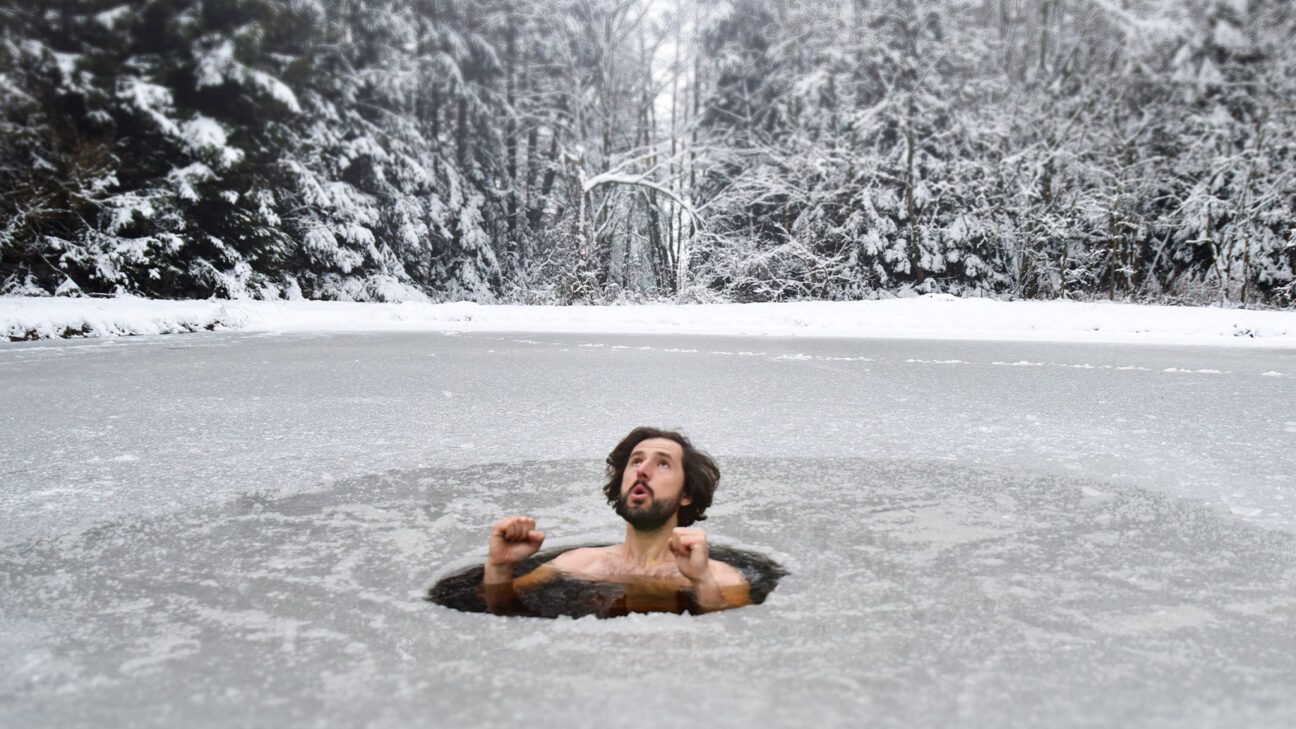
{"points": [[512, 540], [689, 546]]}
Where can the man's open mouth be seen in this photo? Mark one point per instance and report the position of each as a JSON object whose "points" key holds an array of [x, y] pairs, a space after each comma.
{"points": [[640, 490]]}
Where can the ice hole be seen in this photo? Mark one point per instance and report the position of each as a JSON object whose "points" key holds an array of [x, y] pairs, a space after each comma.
{"points": [[462, 590]]}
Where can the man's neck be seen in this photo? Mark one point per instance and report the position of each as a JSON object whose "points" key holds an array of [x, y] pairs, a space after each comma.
{"points": [[646, 549]]}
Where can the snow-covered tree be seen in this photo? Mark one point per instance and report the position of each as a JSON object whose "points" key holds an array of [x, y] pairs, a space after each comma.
{"points": [[593, 150]]}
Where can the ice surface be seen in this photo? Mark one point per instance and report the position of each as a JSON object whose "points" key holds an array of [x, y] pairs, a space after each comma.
{"points": [[218, 529], [921, 594], [211, 416]]}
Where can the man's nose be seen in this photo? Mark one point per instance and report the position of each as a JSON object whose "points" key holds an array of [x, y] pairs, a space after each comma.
{"points": [[642, 470]]}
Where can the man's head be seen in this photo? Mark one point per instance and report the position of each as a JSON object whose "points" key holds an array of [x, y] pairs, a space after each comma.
{"points": [[655, 474]]}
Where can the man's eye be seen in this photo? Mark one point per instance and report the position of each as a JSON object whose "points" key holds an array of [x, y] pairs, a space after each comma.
{"points": [[664, 464]]}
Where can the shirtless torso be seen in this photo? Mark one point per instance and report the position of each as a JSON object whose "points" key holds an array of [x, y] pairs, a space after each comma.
{"points": [[657, 559], [611, 564], [651, 587]]}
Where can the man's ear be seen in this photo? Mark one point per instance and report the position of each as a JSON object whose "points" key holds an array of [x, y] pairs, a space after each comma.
{"points": [[686, 499]]}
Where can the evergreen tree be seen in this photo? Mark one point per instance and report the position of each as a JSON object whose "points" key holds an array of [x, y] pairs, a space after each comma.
{"points": [[599, 150]]}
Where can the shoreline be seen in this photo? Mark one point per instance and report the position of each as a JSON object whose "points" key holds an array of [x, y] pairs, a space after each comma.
{"points": [[932, 316]]}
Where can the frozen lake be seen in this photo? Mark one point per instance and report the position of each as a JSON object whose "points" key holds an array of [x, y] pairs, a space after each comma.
{"points": [[237, 529]]}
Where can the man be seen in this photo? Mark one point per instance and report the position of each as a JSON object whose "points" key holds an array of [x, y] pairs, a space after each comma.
{"points": [[660, 484]]}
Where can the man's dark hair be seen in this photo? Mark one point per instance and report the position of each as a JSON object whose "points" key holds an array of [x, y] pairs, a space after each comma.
{"points": [[701, 474]]}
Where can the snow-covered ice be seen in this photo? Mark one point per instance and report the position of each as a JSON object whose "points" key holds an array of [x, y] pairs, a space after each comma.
{"points": [[924, 317], [921, 594], [238, 527]]}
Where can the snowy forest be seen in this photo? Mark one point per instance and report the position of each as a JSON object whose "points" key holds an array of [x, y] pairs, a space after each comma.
{"points": [[602, 151]]}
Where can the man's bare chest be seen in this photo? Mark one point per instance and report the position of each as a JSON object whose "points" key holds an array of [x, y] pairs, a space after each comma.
{"points": [[610, 568]]}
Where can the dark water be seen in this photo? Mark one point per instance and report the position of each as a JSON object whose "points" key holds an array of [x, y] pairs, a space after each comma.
{"points": [[578, 598]]}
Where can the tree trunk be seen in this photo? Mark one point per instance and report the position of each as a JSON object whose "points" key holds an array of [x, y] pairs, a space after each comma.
{"points": [[435, 116], [1046, 8], [461, 133], [911, 206], [1112, 259], [1246, 270], [511, 130], [1062, 271]]}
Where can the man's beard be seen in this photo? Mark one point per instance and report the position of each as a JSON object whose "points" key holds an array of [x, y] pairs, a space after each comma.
{"points": [[648, 519]]}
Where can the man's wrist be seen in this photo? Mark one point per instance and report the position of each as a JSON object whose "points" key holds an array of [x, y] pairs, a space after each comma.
{"points": [[497, 573]]}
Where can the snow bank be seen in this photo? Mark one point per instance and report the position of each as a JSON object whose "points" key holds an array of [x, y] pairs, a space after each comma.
{"points": [[27, 318], [926, 317]]}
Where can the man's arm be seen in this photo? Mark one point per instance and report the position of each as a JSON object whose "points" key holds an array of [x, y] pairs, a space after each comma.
{"points": [[716, 586], [512, 541], [721, 592], [503, 598]]}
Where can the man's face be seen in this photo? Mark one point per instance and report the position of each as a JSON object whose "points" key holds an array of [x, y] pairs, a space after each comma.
{"points": [[652, 484]]}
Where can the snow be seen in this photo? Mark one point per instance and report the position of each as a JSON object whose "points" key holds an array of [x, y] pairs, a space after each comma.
{"points": [[67, 63], [1209, 75], [154, 100], [262, 612], [185, 178], [110, 17], [213, 65], [237, 527], [923, 317], [37, 318], [218, 66], [1229, 37], [392, 290], [612, 178], [126, 207], [204, 134], [277, 90]]}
